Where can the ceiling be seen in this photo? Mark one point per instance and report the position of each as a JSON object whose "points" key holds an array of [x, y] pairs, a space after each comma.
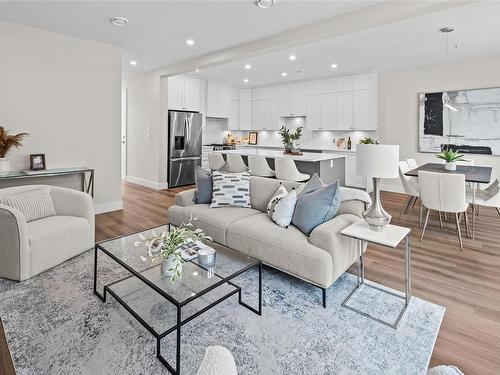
{"points": [[404, 44], [157, 30]]}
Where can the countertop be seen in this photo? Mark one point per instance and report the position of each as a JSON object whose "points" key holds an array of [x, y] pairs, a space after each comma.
{"points": [[304, 147], [273, 154]]}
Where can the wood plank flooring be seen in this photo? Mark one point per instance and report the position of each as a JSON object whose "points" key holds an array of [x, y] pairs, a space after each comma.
{"points": [[466, 282], [6, 365]]}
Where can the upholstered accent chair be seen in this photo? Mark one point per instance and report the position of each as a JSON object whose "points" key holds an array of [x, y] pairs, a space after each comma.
{"points": [[30, 246]]}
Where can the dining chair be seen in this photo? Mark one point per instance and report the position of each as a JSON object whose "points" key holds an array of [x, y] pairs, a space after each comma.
{"points": [[287, 170], [236, 163], [259, 167], [410, 185], [215, 161], [489, 197], [444, 192], [412, 163]]}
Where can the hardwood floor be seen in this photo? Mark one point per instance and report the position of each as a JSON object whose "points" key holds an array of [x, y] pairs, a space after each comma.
{"points": [[6, 365], [466, 282]]}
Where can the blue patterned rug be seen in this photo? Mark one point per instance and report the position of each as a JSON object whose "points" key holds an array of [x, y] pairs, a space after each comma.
{"points": [[56, 325]]}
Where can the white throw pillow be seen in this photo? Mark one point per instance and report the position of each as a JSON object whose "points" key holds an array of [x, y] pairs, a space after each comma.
{"points": [[281, 207], [231, 189], [33, 204]]}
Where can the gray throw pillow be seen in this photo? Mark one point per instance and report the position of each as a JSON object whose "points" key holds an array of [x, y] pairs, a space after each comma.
{"points": [[316, 207], [204, 186]]}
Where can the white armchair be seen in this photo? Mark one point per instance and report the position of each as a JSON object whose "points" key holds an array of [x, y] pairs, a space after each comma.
{"points": [[29, 248]]}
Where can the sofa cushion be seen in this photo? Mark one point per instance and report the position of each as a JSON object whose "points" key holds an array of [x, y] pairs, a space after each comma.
{"points": [[287, 249], [203, 179], [213, 221], [231, 189], [33, 204], [281, 206], [55, 239], [316, 207], [262, 189]]}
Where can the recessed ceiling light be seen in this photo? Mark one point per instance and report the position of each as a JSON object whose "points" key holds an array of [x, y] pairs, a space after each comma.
{"points": [[284, 74], [245, 80], [197, 70], [119, 21], [264, 4], [292, 57], [248, 66], [334, 66], [190, 42], [133, 63]]}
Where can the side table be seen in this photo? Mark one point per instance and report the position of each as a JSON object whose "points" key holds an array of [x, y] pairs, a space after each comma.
{"points": [[390, 237]]}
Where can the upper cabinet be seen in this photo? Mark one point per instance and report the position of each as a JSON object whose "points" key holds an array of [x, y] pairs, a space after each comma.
{"points": [[219, 98], [292, 100], [265, 114], [184, 94]]}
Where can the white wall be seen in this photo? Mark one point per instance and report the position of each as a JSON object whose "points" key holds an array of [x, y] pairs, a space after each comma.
{"points": [[65, 92], [398, 104]]}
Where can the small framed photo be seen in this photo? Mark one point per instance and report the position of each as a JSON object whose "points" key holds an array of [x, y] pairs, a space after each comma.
{"points": [[37, 162], [252, 138]]}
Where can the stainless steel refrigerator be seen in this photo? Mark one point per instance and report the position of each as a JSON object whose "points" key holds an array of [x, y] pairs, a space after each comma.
{"points": [[184, 147]]}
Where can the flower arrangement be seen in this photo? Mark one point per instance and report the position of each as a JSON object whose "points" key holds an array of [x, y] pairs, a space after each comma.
{"points": [[166, 245], [288, 137]]}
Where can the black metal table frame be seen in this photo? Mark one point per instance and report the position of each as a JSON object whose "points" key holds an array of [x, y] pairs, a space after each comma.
{"points": [[180, 322]]}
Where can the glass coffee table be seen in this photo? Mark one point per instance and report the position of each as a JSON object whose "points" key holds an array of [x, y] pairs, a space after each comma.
{"points": [[146, 287]]}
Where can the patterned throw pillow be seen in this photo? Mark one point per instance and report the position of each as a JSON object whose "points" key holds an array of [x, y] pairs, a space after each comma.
{"points": [[33, 204], [231, 189], [281, 206]]}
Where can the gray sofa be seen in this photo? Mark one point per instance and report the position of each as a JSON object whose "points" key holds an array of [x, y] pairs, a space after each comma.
{"points": [[318, 259]]}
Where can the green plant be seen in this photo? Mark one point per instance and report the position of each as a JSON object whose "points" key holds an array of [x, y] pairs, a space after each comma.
{"points": [[287, 136], [368, 141], [450, 156], [8, 141], [169, 243]]}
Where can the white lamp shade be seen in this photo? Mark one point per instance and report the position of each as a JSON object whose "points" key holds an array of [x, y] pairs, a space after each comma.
{"points": [[377, 160]]}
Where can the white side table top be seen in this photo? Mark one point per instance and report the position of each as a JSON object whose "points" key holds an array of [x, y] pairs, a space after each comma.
{"points": [[391, 236]]}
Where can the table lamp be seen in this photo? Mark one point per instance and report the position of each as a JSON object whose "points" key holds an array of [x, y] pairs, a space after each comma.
{"points": [[377, 161]]}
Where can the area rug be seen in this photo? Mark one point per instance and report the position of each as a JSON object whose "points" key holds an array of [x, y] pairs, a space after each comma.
{"points": [[56, 325]]}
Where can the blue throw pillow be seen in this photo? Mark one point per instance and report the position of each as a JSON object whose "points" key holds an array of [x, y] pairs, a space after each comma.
{"points": [[316, 207], [204, 186]]}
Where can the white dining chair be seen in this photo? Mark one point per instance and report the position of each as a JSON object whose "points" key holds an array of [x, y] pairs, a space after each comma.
{"points": [[412, 164], [489, 197], [215, 161], [236, 163], [444, 192], [259, 167], [287, 170], [410, 186]]}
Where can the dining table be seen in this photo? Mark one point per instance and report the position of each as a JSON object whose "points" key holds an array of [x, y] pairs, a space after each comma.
{"points": [[473, 174]]}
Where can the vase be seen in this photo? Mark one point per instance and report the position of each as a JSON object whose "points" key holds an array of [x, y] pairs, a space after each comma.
{"points": [[4, 166], [296, 146], [450, 166], [288, 148], [169, 265]]}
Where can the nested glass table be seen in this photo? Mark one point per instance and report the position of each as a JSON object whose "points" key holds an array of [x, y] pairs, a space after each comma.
{"points": [[146, 279]]}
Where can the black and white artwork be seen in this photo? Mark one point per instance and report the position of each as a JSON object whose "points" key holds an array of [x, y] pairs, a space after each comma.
{"points": [[465, 120]]}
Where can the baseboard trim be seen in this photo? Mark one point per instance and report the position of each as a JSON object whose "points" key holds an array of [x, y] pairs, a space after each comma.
{"points": [[150, 184], [108, 207]]}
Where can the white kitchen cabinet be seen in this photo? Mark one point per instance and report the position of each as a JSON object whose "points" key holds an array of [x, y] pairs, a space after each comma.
{"points": [[345, 83], [321, 112], [183, 94], [321, 86], [362, 111], [245, 114], [313, 116], [258, 114], [361, 82], [345, 111], [292, 100], [272, 115], [233, 119], [218, 100], [265, 114]]}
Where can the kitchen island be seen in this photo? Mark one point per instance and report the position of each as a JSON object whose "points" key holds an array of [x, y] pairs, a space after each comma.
{"points": [[330, 167]]}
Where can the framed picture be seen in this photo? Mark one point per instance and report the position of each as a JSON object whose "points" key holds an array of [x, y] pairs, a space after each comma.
{"points": [[252, 138], [37, 162]]}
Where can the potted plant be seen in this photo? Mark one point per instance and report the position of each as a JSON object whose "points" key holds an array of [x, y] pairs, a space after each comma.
{"points": [[368, 141], [166, 245], [450, 157], [7, 142], [290, 139]]}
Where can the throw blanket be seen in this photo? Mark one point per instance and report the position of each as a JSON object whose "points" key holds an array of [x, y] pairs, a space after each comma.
{"points": [[348, 194]]}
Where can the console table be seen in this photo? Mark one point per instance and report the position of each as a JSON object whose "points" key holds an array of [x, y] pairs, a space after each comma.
{"points": [[87, 176], [6, 364]]}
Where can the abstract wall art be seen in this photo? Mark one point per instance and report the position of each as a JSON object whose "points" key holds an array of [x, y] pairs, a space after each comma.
{"points": [[465, 120]]}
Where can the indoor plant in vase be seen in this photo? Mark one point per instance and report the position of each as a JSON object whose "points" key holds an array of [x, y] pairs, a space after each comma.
{"points": [[7, 142], [450, 158], [290, 139], [167, 246]]}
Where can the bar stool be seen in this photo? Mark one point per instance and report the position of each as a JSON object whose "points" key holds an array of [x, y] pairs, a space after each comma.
{"points": [[287, 170], [236, 163], [215, 161], [259, 167]]}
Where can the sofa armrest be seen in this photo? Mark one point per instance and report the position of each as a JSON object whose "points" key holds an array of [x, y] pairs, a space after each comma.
{"points": [[73, 203], [352, 207], [14, 245], [185, 198]]}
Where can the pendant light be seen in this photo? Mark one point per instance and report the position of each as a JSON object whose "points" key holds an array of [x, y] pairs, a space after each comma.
{"points": [[446, 98]]}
